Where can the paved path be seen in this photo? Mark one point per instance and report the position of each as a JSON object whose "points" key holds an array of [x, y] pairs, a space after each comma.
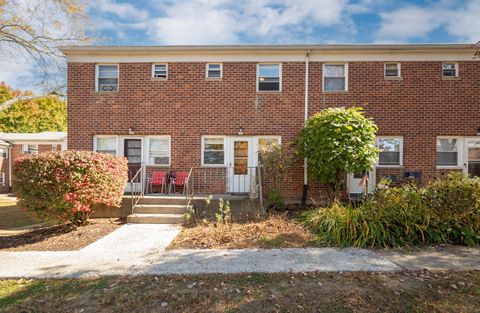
{"points": [[140, 249]]}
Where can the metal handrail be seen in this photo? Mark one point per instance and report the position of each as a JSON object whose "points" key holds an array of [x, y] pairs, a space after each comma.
{"points": [[137, 195], [189, 188]]}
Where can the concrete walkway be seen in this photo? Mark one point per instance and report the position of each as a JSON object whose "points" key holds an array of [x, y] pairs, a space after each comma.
{"points": [[140, 249]]}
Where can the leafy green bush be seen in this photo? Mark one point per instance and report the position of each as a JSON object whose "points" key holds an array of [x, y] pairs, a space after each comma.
{"points": [[444, 211], [67, 185], [275, 199]]}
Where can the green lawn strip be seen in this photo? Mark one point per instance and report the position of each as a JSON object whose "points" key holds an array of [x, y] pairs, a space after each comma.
{"points": [[12, 217], [303, 292]]}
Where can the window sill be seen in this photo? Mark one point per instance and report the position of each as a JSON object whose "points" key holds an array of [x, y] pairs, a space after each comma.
{"points": [[158, 165], [269, 91], [393, 77], [106, 92], [335, 91], [213, 166], [390, 166], [158, 79], [450, 78], [449, 167], [214, 78]]}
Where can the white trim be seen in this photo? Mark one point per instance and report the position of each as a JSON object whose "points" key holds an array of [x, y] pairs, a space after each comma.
{"points": [[399, 67], [106, 136], [260, 56], [153, 71], [457, 72], [2, 182], [97, 73], [401, 151], [345, 64], [147, 149], [6, 152], [460, 148], [25, 148], [279, 74], [224, 150], [215, 63], [466, 140]]}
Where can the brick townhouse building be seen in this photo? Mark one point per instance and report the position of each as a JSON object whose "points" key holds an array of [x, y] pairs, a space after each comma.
{"points": [[15, 145], [212, 107]]}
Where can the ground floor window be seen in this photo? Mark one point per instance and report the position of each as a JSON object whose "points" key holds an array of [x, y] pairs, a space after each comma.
{"points": [[30, 149], [159, 151], [390, 151], [213, 151], [2, 179], [3, 152], [106, 145], [447, 151]]}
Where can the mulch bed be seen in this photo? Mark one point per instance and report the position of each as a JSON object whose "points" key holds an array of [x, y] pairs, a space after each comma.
{"points": [[61, 237], [277, 231]]}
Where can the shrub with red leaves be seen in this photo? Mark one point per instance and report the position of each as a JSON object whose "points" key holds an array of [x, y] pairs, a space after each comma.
{"points": [[67, 185]]}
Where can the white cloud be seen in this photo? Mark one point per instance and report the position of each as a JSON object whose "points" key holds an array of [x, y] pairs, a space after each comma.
{"points": [[125, 11], [460, 19], [231, 21]]}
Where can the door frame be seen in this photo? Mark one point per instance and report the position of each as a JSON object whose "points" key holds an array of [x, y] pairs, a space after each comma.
{"points": [[121, 152], [466, 140], [230, 161]]}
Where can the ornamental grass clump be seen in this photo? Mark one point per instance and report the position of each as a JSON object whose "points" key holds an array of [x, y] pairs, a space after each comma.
{"points": [[444, 211], [68, 185]]}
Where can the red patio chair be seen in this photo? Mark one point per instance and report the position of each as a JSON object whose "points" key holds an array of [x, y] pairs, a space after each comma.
{"points": [[179, 180], [158, 179]]}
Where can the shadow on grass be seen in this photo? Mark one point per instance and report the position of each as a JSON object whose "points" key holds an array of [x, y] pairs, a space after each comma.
{"points": [[34, 236]]}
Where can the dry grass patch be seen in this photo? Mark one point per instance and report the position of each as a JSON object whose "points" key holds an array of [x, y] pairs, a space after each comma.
{"points": [[277, 231]]}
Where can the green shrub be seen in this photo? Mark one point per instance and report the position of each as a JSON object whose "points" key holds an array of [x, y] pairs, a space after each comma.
{"points": [[275, 200], [66, 186], [445, 211]]}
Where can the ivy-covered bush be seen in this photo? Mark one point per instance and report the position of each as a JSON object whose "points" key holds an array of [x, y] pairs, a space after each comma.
{"points": [[443, 211], [67, 185]]}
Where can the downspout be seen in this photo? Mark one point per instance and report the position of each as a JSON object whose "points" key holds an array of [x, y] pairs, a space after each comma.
{"points": [[305, 165], [10, 169]]}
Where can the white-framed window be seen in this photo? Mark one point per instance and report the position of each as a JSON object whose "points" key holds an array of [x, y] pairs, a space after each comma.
{"points": [[448, 151], [213, 151], [106, 144], [392, 70], [159, 150], [160, 70], [106, 77], [390, 151], [30, 149], [2, 179], [214, 70], [269, 77], [54, 147], [3, 152], [450, 69], [335, 77]]}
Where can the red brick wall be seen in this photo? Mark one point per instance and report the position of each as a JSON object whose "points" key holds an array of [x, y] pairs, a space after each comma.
{"points": [[419, 107]]}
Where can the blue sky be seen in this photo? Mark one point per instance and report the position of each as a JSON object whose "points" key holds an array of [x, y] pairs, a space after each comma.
{"points": [[183, 22]]}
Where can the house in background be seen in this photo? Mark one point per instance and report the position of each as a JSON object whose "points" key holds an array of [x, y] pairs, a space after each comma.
{"points": [[15, 145], [210, 108]]}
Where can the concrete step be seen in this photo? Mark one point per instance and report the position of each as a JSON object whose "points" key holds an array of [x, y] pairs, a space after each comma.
{"points": [[156, 218], [160, 209], [163, 200]]}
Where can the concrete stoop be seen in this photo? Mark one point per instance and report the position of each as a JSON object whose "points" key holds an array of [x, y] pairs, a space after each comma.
{"points": [[159, 210]]}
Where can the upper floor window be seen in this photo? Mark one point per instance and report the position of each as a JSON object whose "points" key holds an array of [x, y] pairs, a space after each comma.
{"points": [[214, 70], [107, 78], [392, 70], [30, 149], [269, 77], [3, 152], [335, 77], [447, 151], [390, 151], [159, 151], [160, 71], [106, 145], [450, 69], [213, 151]]}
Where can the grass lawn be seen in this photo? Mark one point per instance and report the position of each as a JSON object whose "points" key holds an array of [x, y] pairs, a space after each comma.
{"points": [[12, 217], [307, 292]]}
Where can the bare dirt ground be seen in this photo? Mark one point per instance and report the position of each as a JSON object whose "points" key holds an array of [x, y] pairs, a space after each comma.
{"points": [[277, 231], [305, 292], [60, 237]]}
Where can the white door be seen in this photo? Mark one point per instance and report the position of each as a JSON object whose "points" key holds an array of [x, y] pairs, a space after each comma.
{"points": [[472, 156], [357, 186], [241, 170]]}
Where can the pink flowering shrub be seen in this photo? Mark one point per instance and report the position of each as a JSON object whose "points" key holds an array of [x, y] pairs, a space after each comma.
{"points": [[67, 185]]}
